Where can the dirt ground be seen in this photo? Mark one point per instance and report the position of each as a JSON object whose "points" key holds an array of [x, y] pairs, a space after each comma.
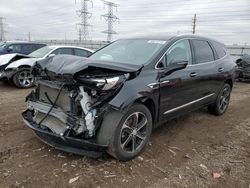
{"points": [[182, 153]]}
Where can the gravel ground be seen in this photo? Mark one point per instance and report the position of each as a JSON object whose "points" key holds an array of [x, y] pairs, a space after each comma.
{"points": [[185, 152]]}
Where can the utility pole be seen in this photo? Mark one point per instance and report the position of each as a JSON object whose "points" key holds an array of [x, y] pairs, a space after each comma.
{"points": [[29, 36], [194, 23], [2, 38], [85, 16], [110, 18]]}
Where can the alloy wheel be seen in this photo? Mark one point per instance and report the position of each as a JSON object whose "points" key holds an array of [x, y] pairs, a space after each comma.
{"points": [[224, 99], [25, 78], [133, 132]]}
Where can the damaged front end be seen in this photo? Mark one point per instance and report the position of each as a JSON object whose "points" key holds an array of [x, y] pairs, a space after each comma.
{"points": [[66, 110], [243, 67]]}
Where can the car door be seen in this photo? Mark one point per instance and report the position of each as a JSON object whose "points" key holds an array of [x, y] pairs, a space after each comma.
{"points": [[179, 89], [206, 69]]}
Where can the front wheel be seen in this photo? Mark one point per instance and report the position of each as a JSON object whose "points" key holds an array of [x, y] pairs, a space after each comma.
{"points": [[23, 78], [132, 133], [221, 104]]}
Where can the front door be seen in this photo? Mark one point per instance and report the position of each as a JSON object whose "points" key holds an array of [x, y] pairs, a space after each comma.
{"points": [[177, 90]]}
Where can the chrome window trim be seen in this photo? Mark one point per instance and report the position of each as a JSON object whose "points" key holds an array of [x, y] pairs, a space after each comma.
{"points": [[188, 104], [168, 50], [189, 65]]}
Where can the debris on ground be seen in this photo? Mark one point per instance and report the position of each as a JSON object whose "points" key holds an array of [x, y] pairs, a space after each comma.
{"points": [[216, 175], [72, 180]]}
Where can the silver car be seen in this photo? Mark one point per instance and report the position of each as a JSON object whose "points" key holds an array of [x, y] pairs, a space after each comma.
{"points": [[16, 68]]}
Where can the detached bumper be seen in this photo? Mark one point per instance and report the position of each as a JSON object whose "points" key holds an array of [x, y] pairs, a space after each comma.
{"points": [[67, 144]]}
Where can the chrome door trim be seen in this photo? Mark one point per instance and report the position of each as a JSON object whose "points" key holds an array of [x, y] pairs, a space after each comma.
{"points": [[188, 104]]}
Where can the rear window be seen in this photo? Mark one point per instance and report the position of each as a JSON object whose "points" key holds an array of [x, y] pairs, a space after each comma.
{"points": [[81, 53], [64, 51], [203, 52], [220, 49]]}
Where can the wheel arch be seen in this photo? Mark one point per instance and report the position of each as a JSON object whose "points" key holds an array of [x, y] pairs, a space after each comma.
{"points": [[13, 71], [238, 60], [230, 82], [114, 116], [150, 104]]}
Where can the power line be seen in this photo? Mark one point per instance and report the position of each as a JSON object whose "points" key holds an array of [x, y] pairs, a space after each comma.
{"points": [[110, 18], [85, 16]]}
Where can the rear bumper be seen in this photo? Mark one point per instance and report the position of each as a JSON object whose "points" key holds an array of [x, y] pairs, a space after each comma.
{"points": [[67, 144]]}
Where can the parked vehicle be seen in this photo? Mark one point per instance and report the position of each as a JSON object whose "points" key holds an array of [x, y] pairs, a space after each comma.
{"points": [[19, 47], [16, 68], [243, 67], [111, 101]]}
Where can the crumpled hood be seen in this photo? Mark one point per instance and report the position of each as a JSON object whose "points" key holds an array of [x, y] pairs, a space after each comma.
{"points": [[9, 58], [68, 64], [24, 61], [246, 58]]}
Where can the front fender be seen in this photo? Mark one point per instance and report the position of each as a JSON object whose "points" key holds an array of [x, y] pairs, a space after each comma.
{"points": [[22, 62], [135, 89]]}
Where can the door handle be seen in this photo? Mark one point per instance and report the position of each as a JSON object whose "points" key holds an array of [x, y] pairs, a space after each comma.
{"points": [[193, 74], [220, 69]]}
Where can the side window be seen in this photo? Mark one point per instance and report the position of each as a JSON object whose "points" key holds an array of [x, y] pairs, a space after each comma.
{"points": [[220, 49], [202, 51], [179, 51], [28, 48], [15, 48], [64, 51], [81, 53]]}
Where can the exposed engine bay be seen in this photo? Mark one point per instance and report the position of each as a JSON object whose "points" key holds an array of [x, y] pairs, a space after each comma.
{"points": [[73, 105]]}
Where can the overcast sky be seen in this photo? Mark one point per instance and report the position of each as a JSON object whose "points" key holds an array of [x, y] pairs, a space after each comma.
{"points": [[224, 20]]}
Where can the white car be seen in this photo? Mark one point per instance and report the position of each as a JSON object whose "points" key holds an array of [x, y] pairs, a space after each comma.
{"points": [[16, 68]]}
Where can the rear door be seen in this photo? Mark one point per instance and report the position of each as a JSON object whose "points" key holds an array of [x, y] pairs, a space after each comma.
{"points": [[206, 69]]}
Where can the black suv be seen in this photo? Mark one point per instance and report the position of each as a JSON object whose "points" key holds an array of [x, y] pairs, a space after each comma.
{"points": [[19, 47], [112, 100]]}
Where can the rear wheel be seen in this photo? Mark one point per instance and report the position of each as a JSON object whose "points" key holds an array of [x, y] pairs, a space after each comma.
{"points": [[131, 134], [23, 78], [221, 104]]}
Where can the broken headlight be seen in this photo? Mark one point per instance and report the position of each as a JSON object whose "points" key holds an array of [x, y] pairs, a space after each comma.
{"points": [[104, 84]]}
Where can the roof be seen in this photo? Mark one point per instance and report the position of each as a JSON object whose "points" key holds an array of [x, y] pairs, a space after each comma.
{"points": [[62, 46], [170, 37]]}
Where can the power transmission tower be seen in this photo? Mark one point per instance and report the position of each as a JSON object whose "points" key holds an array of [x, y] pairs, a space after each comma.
{"points": [[2, 38], [194, 24], [110, 18], [85, 16]]}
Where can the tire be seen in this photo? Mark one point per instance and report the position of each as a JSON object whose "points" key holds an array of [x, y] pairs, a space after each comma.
{"points": [[221, 104], [23, 78], [132, 133]]}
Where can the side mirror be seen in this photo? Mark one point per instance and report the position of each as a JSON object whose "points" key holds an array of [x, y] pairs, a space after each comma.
{"points": [[51, 55], [175, 66]]}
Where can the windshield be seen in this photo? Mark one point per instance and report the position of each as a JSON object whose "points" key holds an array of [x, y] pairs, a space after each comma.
{"points": [[2, 44], [130, 51], [40, 53]]}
